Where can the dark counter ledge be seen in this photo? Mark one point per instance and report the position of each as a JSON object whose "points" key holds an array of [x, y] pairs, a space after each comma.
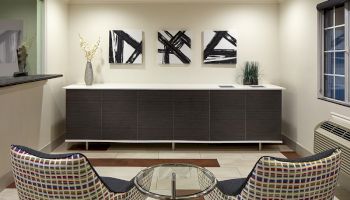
{"points": [[10, 81]]}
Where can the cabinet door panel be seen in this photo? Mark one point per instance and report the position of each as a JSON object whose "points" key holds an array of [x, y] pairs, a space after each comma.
{"points": [[227, 115], [119, 114], [83, 114], [155, 119], [263, 115], [264, 100], [191, 115]]}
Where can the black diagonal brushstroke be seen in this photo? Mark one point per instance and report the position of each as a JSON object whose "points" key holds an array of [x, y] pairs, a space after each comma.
{"points": [[166, 55], [133, 43], [213, 42], [187, 40], [128, 39], [230, 39], [120, 48], [173, 48], [166, 51], [176, 41], [169, 34], [111, 57], [181, 38], [135, 54]]}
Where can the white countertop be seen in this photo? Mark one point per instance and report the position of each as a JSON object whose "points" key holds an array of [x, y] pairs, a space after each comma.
{"points": [[119, 86]]}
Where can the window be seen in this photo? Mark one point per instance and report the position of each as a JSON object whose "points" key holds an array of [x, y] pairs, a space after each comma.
{"points": [[334, 65]]}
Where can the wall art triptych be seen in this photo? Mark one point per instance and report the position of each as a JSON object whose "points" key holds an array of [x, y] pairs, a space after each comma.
{"points": [[174, 47]]}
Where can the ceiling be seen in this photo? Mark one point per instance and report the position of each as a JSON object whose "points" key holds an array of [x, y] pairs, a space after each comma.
{"points": [[172, 1]]}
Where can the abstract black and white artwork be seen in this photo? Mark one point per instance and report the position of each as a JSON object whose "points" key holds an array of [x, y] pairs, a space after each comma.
{"points": [[174, 47], [125, 47], [220, 47]]}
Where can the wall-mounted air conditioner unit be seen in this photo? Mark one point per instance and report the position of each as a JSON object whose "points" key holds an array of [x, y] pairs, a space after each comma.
{"points": [[334, 133]]}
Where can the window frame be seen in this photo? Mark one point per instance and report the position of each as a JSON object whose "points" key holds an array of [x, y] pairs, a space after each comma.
{"points": [[321, 56]]}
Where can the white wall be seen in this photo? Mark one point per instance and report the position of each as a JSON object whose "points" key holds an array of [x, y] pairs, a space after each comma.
{"points": [[33, 114], [302, 111], [256, 27], [56, 63]]}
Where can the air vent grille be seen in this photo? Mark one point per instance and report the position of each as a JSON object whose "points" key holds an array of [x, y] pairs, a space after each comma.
{"points": [[327, 126], [347, 136], [322, 143], [336, 130]]}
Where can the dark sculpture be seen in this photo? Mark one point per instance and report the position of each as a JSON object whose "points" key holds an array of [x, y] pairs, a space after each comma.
{"points": [[22, 61]]}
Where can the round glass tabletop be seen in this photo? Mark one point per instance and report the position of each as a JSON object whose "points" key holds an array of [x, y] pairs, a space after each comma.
{"points": [[175, 181]]}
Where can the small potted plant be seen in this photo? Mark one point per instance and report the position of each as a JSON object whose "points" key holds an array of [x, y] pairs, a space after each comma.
{"points": [[251, 73]]}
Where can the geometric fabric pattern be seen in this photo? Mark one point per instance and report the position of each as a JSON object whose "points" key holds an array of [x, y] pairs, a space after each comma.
{"points": [[275, 179], [70, 177]]}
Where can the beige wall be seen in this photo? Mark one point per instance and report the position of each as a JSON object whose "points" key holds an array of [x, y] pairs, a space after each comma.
{"points": [[298, 51], [256, 27], [33, 114]]}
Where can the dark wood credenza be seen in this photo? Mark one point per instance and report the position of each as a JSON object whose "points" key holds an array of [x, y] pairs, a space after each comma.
{"points": [[173, 115]]}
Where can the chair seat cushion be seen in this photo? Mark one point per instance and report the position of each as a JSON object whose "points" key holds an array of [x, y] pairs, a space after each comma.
{"points": [[231, 187], [117, 185]]}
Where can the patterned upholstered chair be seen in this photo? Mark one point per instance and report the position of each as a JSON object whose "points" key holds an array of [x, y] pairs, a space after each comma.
{"points": [[313, 177], [67, 176]]}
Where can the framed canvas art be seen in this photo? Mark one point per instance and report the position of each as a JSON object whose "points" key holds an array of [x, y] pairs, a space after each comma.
{"points": [[220, 47], [174, 47], [125, 46]]}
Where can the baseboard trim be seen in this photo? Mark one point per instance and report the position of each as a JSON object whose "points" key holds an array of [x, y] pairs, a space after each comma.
{"points": [[53, 145], [7, 179], [344, 181], [297, 147]]}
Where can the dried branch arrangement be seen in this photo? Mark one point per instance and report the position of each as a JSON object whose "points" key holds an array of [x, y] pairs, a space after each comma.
{"points": [[89, 51], [28, 43]]}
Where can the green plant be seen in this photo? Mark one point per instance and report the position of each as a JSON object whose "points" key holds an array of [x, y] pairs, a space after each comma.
{"points": [[251, 73]]}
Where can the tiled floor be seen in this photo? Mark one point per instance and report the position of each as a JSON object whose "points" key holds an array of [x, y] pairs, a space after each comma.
{"points": [[235, 161]]}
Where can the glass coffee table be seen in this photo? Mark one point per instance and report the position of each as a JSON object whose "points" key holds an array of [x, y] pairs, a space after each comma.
{"points": [[175, 181]]}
